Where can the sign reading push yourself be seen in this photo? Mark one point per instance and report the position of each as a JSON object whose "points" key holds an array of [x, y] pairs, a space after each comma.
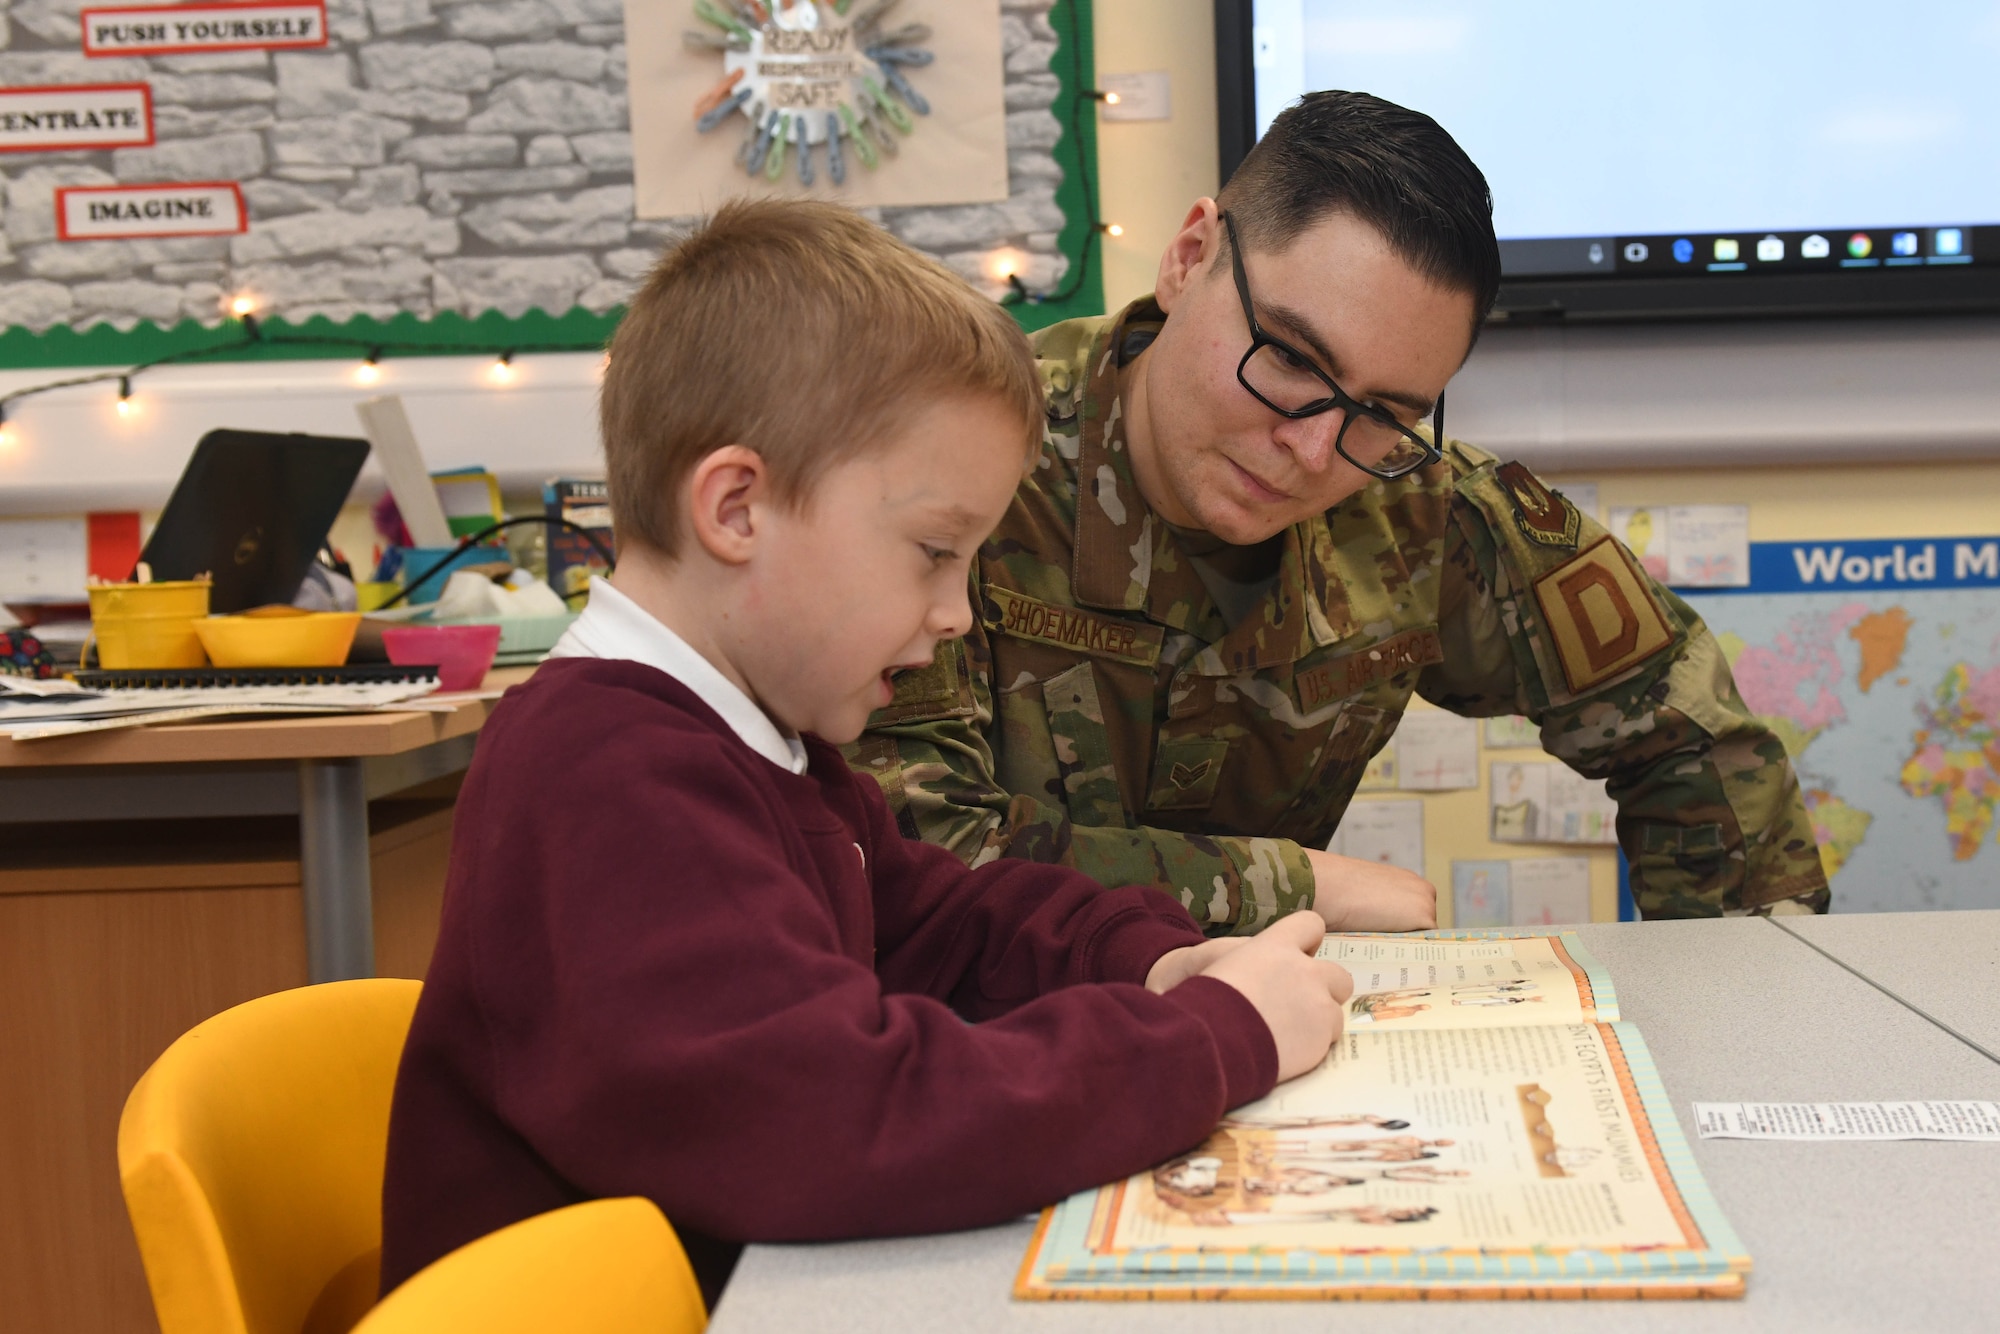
{"points": [[153, 30], [42, 120], [94, 212]]}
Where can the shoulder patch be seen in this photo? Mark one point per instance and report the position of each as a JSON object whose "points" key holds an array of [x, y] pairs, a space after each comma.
{"points": [[1543, 516], [1099, 636], [1599, 614]]}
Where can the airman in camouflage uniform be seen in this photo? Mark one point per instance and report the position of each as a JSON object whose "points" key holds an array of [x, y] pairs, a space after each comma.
{"points": [[1104, 714]]}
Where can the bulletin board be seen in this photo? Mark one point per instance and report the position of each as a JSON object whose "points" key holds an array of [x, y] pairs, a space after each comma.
{"points": [[426, 176]]}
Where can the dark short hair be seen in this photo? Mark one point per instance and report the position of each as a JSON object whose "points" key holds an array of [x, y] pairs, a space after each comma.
{"points": [[1392, 168]]}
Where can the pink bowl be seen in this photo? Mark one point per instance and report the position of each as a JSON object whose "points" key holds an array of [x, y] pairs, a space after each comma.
{"points": [[461, 653]]}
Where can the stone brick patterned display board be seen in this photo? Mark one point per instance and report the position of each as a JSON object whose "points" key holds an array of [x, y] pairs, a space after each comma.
{"points": [[433, 156]]}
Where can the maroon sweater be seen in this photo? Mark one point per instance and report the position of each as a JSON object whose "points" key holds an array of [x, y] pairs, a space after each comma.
{"points": [[668, 967]]}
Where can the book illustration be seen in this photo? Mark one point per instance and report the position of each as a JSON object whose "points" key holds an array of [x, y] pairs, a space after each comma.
{"points": [[1463, 1149], [1419, 983]]}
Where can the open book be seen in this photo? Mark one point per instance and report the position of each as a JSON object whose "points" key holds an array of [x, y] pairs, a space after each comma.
{"points": [[1485, 1127]]}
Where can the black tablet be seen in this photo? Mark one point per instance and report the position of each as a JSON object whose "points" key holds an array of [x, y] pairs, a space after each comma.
{"points": [[251, 510]]}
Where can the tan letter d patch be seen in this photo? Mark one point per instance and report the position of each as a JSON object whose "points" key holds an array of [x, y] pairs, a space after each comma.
{"points": [[1600, 615]]}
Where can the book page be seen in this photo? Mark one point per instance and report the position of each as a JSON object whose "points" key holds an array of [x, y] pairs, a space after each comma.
{"points": [[1409, 1141], [1407, 982]]}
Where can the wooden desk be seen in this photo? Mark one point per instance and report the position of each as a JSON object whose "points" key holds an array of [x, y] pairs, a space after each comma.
{"points": [[1844, 1236], [323, 770], [153, 877], [1945, 965]]}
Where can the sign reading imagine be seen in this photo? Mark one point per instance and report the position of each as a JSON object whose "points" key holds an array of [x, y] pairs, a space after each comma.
{"points": [[42, 120], [155, 30], [94, 212]]}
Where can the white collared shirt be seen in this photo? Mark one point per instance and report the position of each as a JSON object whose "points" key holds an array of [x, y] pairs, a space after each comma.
{"points": [[613, 626]]}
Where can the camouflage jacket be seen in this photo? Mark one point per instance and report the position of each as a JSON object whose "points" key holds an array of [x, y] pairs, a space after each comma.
{"points": [[1103, 714]]}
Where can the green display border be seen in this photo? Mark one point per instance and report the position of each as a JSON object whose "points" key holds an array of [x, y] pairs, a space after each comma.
{"points": [[580, 330]]}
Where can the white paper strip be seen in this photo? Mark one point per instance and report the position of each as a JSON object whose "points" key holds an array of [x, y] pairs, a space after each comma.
{"points": [[1977, 1122]]}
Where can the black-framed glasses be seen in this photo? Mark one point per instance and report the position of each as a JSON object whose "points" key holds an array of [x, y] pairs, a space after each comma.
{"points": [[1287, 382]]}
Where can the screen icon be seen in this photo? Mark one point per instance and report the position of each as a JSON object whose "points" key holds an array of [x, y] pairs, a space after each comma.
{"points": [[1726, 250], [1683, 251], [1904, 243], [1948, 241], [1814, 247], [1596, 252], [1858, 245], [1771, 249], [1636, 252]]}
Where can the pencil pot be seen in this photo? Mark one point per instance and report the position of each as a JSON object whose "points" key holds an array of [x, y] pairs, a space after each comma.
{"points": [[142, 626]]}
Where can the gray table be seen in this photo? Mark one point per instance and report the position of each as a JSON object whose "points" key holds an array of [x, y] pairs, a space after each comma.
{"points": [[1845, 1236], [1944, 964]]}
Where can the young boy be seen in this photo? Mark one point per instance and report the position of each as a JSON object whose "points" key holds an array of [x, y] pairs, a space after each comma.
{"points": [[685, 952]]}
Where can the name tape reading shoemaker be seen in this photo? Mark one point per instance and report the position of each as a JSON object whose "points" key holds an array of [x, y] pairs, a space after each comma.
{"points": [[1070, 628], [94, 212], [42, 120], [156, 30]]}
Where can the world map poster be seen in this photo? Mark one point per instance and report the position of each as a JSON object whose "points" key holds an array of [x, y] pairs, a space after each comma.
{"points": [[1878, 663]]}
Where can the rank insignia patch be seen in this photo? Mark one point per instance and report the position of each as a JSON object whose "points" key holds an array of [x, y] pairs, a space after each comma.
{"points": [[1600, 615], [1544, 516]]}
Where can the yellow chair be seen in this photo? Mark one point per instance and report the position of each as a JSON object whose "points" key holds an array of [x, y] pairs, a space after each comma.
{"points": [[606, 1267], [251, 1157]]}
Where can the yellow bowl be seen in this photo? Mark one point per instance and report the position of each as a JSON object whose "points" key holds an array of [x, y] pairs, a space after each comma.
{"points": [[308, 639]]}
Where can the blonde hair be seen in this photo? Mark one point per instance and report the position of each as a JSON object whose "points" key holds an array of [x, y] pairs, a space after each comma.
{"points": [[802, 331]]}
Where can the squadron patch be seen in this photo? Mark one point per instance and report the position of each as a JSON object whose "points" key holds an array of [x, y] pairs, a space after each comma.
{"points": [[1011, 613], [1600, 615], [1543, 516]]}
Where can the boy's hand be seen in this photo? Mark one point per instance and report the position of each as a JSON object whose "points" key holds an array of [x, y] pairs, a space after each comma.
{"points": [[1298, 997], [1177, 966], [1353, 895]]}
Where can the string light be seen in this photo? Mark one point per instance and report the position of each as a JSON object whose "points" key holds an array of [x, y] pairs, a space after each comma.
{"points": [[370, 369], [7, 440], [502, 369], [1105, 96], [126, 407], [1111, 229], [242, 304]]}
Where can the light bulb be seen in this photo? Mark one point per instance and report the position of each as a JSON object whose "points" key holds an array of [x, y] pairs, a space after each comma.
{"points": [[1112, 99], [126, 407], [1113, 229], [502, 370], [368, 372], [242, 305]]}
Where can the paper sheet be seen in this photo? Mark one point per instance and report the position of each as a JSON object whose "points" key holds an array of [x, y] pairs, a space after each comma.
{"points": [[1391, 832], [1512, 733], [1549, 803], [1436, 751], [1708, 546], [1688, 546], [1970, 1122], [1481, 893], [1549, 891]]}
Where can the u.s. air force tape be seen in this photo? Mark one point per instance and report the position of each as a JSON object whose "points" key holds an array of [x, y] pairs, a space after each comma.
{"points": [[1600, 615], [1087, 632]]}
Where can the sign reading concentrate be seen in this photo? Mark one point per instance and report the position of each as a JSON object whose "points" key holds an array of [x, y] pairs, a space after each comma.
{"points": [[106, 115], [154, 30], [94, 212]]}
